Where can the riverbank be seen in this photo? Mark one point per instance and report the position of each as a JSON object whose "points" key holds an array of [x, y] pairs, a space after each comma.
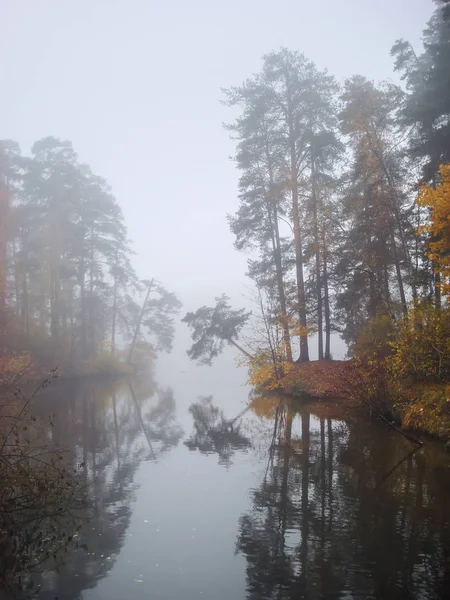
{"points": [[341, 389], [317, 379]]}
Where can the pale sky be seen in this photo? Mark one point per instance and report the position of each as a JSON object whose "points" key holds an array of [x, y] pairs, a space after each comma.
{"points": [[135, 85]]}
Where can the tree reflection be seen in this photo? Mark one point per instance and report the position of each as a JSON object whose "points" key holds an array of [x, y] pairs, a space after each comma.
{"points": [[327, 523], [108, 428], [213, 433], [161, 422]]}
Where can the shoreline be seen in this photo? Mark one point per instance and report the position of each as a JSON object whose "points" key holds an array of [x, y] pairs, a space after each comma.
{"points": [[322, 384]]}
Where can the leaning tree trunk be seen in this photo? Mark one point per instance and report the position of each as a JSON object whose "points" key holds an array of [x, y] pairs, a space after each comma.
{"points": [[138, 324], [240, 348], [398, 272]]}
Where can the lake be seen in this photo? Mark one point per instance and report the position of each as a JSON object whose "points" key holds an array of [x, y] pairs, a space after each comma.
{"points": [[192, 496]]}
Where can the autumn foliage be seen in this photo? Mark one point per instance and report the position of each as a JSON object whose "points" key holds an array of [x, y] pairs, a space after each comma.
{"points": [[421, 346], [437, 200]]}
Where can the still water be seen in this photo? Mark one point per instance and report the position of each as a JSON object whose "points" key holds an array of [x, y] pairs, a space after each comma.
{"points": [[193, 497]]}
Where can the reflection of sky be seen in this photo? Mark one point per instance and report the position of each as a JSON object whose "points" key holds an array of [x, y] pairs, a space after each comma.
{"points": [[182, 535]]}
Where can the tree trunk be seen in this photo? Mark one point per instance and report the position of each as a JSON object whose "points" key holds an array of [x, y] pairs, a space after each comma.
{"points": [[82, 307], [437, 290], [55, 301], [276, 246], [91, 326], [114, 311], [236, 345], [55, 280], [279, 276], [326, 299], [16, 277], [304, 354], [82, 278], [138, 324], [317, 264], [395, 201], [278, 368], [398, 272], [4, 213], [25, 304]]}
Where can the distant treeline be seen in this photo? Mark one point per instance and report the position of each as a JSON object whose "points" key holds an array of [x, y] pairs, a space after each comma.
{"points": [[68, 289]]}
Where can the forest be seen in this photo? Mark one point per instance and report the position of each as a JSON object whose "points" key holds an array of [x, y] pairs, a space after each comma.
{"points": [[68, 290], [344, 203], [343, 214]]}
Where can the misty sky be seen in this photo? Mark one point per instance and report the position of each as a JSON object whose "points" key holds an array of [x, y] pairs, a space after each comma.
{"points": [[135, 85]]}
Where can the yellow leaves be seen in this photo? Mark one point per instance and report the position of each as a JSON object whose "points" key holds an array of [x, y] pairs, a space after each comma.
{"points": [[437, 199], [427, 410], [266, 372], [421, 348]]}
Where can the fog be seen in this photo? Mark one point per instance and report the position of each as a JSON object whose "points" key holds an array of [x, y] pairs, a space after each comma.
{"points": [[224, 299], [136, 86]]}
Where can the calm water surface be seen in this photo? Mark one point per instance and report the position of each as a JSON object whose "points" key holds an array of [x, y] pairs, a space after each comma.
{"points": [[192, 499]]}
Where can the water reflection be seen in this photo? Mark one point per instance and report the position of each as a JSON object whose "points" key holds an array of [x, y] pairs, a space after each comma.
{"points": [[112, 429], [213, 433], [326, 523], [310, 504]]}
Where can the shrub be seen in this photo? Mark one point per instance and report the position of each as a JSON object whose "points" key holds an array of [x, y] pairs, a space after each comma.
{"points": [[267, 374], [40, 491], [421, 348], [368, 378]]}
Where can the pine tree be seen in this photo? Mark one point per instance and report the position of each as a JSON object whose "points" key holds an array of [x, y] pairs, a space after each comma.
{"points": [[262, 197], [426, 109], [377, 199]]}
